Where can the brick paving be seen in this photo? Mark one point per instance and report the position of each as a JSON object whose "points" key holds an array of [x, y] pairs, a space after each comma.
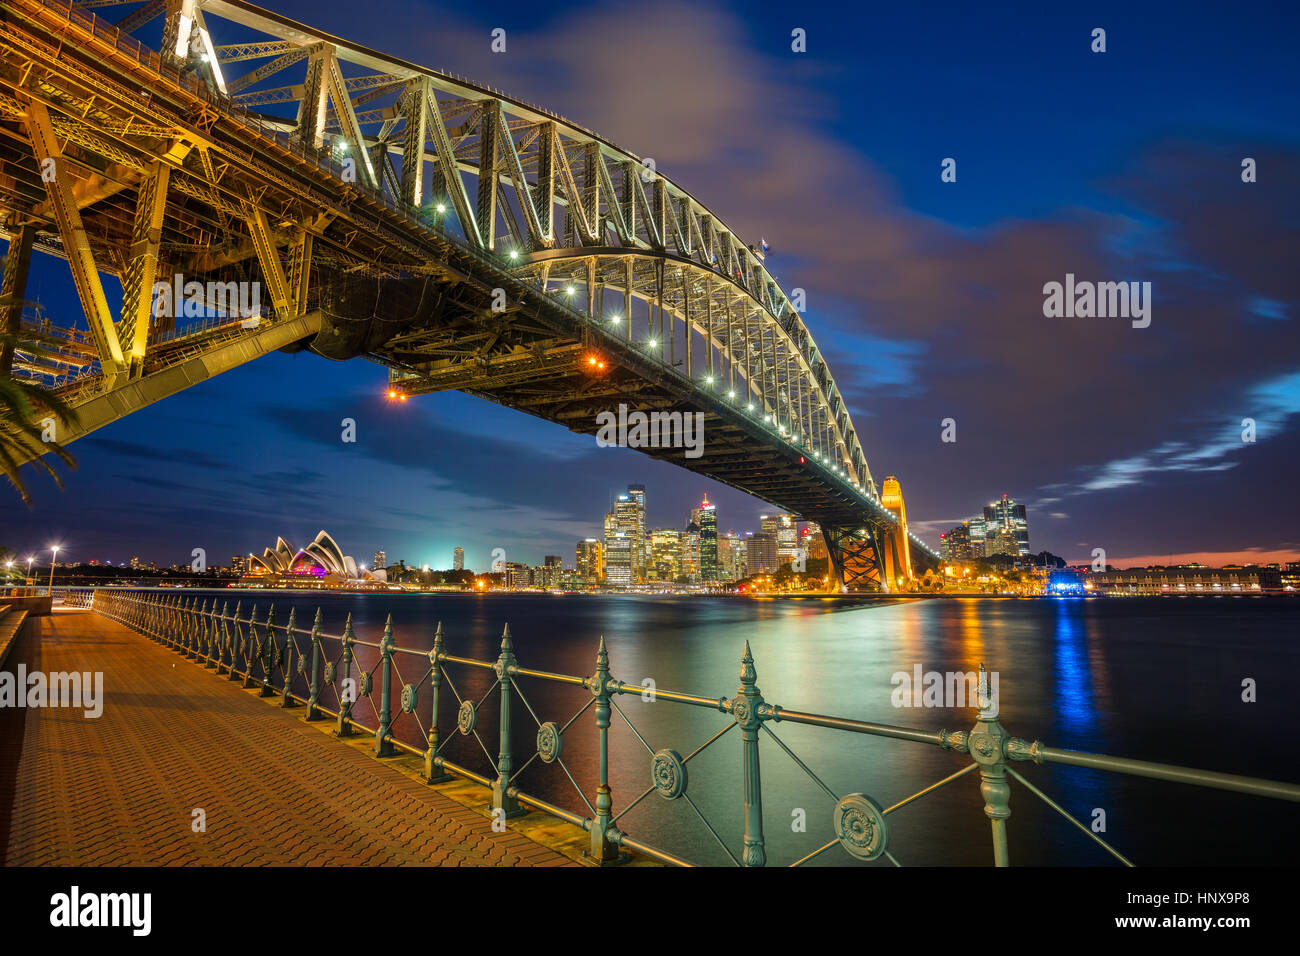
{"points": [[121, 789]]}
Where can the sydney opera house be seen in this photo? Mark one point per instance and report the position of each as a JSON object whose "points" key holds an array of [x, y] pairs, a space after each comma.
{"points": [[322, 560]]}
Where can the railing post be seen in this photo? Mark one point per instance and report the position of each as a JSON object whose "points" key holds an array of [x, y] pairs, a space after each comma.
{"points": [[286, 699], [346, 693], [744, 708], [987, 744], [433, 771], [211, 645], [383, 746], [236, 641], [268, 655], [249, 643], [502, 800], [602, 851], [313, 698]]}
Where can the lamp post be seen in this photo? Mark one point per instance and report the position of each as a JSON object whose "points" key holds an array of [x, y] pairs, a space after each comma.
{"points": [[9, 570], [54, 554]]}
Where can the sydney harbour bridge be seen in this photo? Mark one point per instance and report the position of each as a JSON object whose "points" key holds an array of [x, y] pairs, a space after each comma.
{"points": [[459, 237]]}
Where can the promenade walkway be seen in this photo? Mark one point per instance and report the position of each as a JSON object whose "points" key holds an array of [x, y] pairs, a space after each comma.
{"points": [[122, 789]]}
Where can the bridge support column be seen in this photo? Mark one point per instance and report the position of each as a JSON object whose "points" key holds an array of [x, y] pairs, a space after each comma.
{"points": [[855, 558], [14, 290]]}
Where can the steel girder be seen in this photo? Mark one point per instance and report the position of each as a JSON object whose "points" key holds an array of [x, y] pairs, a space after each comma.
{"points": [[625, 227]]}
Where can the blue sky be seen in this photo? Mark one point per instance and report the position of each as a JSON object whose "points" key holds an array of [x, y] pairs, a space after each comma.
{"points": [[925, 296]]}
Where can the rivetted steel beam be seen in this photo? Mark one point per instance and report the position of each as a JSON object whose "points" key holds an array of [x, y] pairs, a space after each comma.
{"points": [[414, 136], [76, 244], [449, 172], [106, 408], [311, 108], [269, 259], [536, 235], [13, 290], [142, 265], [346, 115], [487, 175]]}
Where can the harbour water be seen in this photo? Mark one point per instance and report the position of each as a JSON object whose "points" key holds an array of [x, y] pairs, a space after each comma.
{"points": [[1156, 679]]}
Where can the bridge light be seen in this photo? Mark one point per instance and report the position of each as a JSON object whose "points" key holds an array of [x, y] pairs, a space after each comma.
{"points": [[731, 395], [708, 380], [568, 290], [514, 253], [749, 407], [653, 343], [615, 319], [441, 208]]}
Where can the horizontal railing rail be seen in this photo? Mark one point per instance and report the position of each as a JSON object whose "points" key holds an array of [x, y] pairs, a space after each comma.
{"points": [[308, 667]]}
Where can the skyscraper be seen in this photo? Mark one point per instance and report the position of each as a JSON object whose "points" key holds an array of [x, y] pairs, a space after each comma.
{"points": [[761, 554], [785, 533], [458, 559], [975, 526], [1005, 513], [590, 563], [640, 541], [956, 543], [665, 554], [706, 518], [381, 560]]}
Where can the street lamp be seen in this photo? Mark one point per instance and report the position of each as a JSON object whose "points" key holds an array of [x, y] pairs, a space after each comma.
{"points": [[54, 553]]}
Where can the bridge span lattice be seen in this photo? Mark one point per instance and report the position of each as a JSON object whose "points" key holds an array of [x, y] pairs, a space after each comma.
{"points": [[462, 238]]}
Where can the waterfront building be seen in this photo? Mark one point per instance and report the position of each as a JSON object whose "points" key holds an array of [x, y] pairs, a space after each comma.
{"points": [[813, 541], [1005, 513], [691, 552], [781, 528], [323, 560], [1184, 580], [627, 521], [665, 554], [518, 575], [458, 559], [590, 561], [975, 527], [641, 541], [618, 560], [549, 574], [955, 544], [1001, 541], [735, 557], [762, 555], [706, 518]]}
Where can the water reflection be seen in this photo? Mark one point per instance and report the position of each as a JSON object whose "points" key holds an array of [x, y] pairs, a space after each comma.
{"points": [[1069, 670]]}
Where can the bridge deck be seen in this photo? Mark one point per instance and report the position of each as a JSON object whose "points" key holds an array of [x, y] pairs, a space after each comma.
{"points": [[121, 789]]}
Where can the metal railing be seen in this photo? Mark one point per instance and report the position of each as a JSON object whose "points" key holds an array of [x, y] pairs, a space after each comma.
{"points": [[331, 682]]}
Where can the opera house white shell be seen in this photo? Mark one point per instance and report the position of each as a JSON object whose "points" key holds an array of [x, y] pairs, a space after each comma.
{"points": [[324, 552]]}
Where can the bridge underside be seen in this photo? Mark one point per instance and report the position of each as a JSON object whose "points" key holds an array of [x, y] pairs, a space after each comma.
{"points": [[186, 182]]}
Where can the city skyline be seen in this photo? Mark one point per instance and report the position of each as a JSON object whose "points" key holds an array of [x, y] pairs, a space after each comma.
{"points": [[931, 312]]}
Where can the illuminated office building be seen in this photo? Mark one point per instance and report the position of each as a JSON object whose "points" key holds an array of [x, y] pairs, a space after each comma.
{"points": [[1005, 513], [590, 563]]}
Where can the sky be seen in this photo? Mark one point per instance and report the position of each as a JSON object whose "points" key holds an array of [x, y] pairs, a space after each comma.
{"points": [[925, 296]]}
